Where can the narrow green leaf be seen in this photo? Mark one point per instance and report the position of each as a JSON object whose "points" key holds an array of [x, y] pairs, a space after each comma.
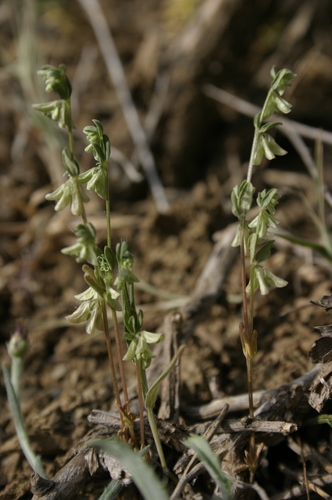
{"points": [[143, 474], [32, 458], [264, 252], [316, 247], [212, 465], [112, 491]]}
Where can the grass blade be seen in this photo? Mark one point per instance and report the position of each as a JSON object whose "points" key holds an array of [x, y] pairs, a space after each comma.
{"points": [[212, 465], [143, 475]]}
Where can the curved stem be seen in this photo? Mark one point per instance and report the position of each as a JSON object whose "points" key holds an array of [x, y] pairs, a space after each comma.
{"points": [[21, 432]]}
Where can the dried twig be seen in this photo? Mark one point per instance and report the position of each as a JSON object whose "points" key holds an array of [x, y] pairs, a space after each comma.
{"points": [[209, 433]]}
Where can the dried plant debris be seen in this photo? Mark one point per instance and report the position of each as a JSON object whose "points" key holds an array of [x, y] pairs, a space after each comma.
{"points": [[321, 352], [325, 302], [321, 388]]}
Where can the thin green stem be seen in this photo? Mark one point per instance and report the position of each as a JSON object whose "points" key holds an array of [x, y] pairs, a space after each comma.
{"points": [[15, 375], [71, 143], [255, 140], [141, 400], [250, 391], [72, 154], [110, 357], [251, 301], [108, 219], [244, 283], [143, 381], [120, 356], [248, 338], [252, 156], [70, 131]]}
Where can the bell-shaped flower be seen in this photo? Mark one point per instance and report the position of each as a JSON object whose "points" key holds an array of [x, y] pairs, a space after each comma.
{"points": [[262, 222], [139, 350], [97, 181], [69, 193], [267, 146], [85, 249], [112, 299], [100, 145], [56, 80], [264, 279], [89, 312], [281, 79], [59, 111], [125, 261], [268, 199]]}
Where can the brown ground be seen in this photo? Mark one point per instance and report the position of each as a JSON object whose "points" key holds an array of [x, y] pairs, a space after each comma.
{"points": [[201, 148]]}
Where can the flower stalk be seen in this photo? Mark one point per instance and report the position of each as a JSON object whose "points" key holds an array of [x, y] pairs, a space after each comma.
{"points": [[252, 236]]}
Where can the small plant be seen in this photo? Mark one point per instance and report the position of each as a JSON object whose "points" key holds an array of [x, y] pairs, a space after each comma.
{"points": [[252, 236], [104, 292], [17, 348]]}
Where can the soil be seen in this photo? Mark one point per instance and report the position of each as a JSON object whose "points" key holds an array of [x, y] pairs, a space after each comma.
{"points": [[201, 148]]}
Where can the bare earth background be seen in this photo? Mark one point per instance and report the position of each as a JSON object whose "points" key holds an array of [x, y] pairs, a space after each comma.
{"points": [[170, 51]]}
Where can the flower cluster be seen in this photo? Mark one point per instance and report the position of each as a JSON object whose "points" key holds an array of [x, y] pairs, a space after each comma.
{"points": [[265, 145]]}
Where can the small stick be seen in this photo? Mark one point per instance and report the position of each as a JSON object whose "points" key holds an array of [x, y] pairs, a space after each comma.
{"points": [[209, 433]]}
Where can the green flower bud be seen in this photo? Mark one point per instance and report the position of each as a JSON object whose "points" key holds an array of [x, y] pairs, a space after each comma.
{"points": [[58, 111], [264, 279], [242, 199], [97, 181], [71, 165], [56, 80], [139, 350], [18, 344]]}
